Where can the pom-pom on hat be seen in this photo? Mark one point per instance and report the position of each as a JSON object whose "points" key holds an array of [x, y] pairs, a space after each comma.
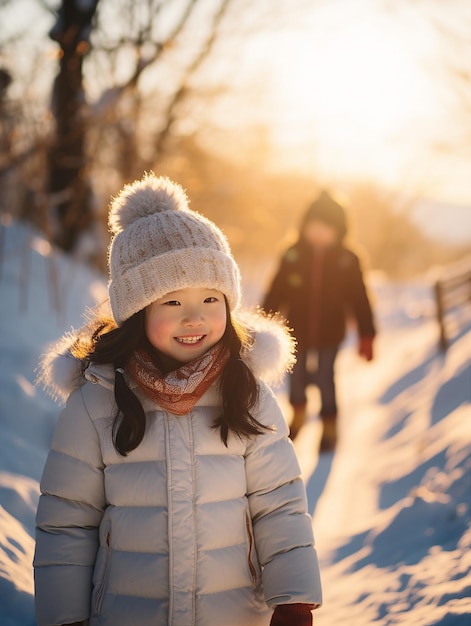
{"points": [[160, 245]]}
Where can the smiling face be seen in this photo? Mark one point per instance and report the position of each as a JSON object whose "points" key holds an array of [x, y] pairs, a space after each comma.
{"points": [[185, 324]]}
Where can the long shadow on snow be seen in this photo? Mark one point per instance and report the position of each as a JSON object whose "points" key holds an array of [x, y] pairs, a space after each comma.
{"points": [[411, 378], [452, 619], [437, 520], [408, 537], [392, 492], [354, 545], [452, 394], [403, 540], [18, 607], [418, 373], [318, 480], [397, 426]]}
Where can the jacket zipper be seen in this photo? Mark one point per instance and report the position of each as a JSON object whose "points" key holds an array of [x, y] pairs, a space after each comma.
{"points": [[101, 590], [253, 571]]}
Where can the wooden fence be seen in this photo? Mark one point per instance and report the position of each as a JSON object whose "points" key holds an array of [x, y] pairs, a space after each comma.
{"points": [[452, 290]]}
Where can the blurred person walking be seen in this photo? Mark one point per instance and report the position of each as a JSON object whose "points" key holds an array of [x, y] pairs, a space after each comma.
{"points": [[317, 287]]}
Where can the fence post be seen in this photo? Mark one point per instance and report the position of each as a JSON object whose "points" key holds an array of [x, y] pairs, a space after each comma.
{"points": [[440, 314]]}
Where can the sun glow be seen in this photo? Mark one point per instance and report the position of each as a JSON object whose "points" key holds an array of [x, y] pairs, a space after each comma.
{"points": [[349, 90]]}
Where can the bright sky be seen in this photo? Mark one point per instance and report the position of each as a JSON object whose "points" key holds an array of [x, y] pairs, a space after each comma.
{"points": [[350, 86], [354, 90]]}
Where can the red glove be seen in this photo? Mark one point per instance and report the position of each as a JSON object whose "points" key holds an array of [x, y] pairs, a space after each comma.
{"points": [[365, 348], [292, 615]]}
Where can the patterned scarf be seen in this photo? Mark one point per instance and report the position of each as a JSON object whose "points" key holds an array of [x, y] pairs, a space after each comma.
{"points": [[178, 391]]}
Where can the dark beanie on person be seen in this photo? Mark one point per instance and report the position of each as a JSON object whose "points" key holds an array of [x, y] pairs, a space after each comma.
{"points": [[329, 211]]}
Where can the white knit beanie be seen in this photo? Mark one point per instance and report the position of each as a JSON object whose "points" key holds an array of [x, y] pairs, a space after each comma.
{"points": [[160, 245]]}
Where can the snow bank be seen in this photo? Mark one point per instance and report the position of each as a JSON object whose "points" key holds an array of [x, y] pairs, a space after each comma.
{"points": [[41, 296]]}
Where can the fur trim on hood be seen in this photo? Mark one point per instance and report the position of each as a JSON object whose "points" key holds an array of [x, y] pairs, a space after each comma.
{"points": [[270, 357], [273, 351]]}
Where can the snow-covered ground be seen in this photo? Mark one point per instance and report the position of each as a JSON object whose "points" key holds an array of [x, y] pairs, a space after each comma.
{"points": [[391, 507], [32, 284]]}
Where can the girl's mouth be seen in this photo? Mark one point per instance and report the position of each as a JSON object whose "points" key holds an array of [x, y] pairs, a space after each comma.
{"points": [[190, 341]]}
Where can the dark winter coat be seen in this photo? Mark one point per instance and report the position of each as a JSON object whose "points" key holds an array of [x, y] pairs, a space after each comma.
{"points": [[317, 291]]}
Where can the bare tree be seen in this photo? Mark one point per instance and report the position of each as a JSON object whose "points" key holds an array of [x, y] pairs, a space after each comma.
{"points": [[143, 34], [112, 112], [5, 131], [119, 110], [67, 176], [179, 95]]}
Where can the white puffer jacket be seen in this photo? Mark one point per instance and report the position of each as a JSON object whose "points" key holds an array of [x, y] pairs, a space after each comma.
{"points": [[181, 532]]}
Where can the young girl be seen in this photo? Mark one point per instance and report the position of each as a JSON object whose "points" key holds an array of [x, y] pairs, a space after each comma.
{"points": [[172, 494]]}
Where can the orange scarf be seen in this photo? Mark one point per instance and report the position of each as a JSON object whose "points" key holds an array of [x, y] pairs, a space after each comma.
{"points": [[178, 391]]}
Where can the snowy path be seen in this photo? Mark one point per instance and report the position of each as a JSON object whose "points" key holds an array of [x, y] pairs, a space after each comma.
{"points": [[391, 507]]}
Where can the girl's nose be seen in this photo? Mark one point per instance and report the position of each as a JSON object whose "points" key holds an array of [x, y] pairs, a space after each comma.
{"points": [[193, 318]]}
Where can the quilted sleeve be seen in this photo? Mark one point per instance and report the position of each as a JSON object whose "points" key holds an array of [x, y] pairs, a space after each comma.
{"points": [[278, 506], [70, 509]]}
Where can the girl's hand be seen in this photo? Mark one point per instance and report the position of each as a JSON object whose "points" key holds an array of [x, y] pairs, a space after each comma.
{"points": [[292, 615]]}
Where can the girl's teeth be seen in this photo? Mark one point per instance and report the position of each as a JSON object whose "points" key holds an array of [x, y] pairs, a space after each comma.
{"points": [[190, 339]]}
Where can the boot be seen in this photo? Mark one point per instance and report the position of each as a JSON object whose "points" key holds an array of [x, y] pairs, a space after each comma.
{"points": [[329, 432], [299, 417]]}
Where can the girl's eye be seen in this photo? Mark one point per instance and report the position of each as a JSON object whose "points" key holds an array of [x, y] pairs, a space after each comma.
{"points": [[172, 303], [210, 300]]}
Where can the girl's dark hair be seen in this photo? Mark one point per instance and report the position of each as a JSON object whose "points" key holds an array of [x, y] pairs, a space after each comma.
{"points": [[104, 342]]}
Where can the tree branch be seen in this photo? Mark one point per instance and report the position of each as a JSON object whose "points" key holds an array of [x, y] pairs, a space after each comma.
{"points": [[180, 94]]}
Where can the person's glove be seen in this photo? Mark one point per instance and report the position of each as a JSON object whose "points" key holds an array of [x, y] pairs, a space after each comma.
{"points": [[292, 615], [365, 348]]}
